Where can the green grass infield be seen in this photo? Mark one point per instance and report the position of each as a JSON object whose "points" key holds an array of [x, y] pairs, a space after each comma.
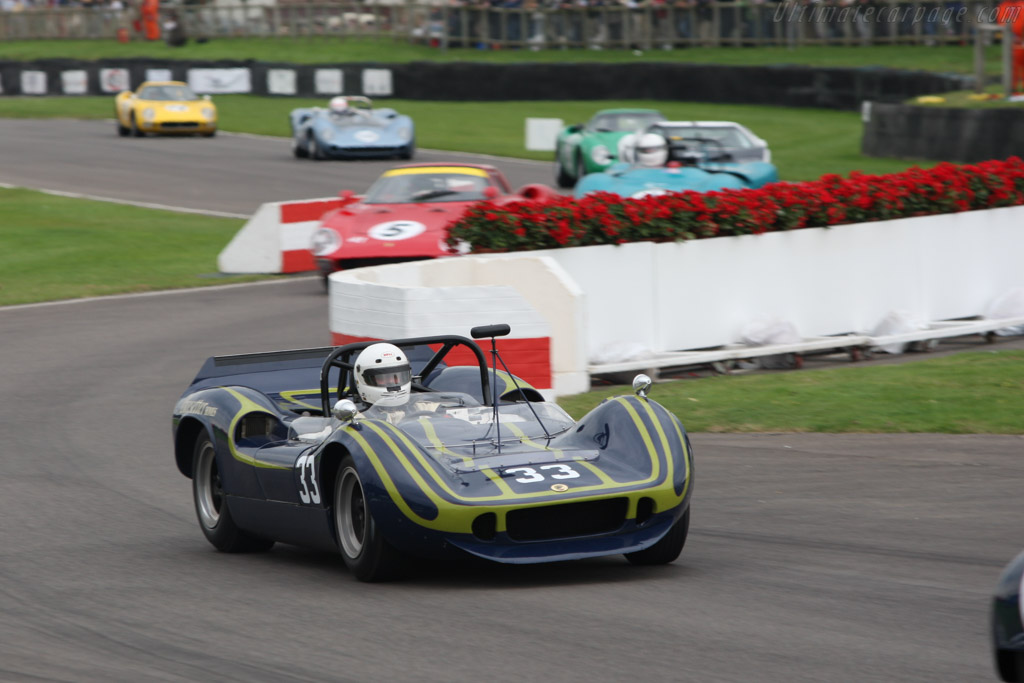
{"points": [[966, 393]]}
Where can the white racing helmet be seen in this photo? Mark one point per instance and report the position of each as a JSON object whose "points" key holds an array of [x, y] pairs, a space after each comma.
{"points": [[652, 150], [383, 375], [338, 104]]}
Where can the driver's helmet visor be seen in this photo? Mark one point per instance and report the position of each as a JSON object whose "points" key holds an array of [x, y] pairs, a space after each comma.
{"points": [[394, 376], [652, 148]]}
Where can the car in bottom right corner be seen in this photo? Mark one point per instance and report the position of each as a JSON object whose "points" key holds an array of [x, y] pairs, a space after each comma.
{"points": [[1008, 622]]}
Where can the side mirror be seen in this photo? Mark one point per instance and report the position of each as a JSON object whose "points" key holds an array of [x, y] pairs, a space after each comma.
{"points": [[491, 192], [346, 194], [206, 97], [641, 384], [345, 410]]}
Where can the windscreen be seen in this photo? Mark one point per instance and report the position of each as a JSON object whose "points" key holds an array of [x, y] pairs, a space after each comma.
{"points": [[624, 121], [407, 188], [168, 93], [726, 136]]}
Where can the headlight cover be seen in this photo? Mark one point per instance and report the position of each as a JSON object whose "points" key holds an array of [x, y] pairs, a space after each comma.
{"points": [[325, 241], [404, 133], [327, 134], [600, 155], [209, 113], [148, 114]]}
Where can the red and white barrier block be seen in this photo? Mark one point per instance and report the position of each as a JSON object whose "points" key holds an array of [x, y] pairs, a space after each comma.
{"points": [[277, 238], [409, 300]]}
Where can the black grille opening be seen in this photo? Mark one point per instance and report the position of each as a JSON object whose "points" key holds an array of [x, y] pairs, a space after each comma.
{"points": [[644, 510], [567, 520], [485, 526]]}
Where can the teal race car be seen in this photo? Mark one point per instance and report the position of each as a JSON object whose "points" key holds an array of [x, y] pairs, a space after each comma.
{"points": [[702, 166], [592, 147]]}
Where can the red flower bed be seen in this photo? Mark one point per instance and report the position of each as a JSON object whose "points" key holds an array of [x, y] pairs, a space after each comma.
{"points": [[605, 218]]}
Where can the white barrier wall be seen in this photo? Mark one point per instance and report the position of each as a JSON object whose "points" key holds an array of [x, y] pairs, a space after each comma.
{"points": [[532, 294], [703, 293], [277, 238]]}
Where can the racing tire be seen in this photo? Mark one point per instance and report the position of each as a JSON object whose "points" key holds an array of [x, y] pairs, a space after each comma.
{"points": [[408, 152], [562, 179], [211, 134], [136, 131], [123, 131], [367, 555], [212, 508], [314, 149], [668, 548], [297, 151], [581, 167]]}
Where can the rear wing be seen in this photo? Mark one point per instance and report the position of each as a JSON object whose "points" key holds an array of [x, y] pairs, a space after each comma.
{"points": [[243, 366]]}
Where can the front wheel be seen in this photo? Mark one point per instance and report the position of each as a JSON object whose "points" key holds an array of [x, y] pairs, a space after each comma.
{"points": [[367, 555], [668, 548], [298, 150], [562, 177], [212, 507], [136, 131], [581, 167], [409, 152], [314, 149]]}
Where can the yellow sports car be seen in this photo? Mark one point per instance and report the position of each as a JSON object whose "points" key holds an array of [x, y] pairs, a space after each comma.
{"points": [[164, 107]]}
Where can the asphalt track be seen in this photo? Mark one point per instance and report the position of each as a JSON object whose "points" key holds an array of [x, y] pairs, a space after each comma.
{"points": [[228, 173], [811, 557]]}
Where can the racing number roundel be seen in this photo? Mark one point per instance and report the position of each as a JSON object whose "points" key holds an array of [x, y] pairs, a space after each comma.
{"points": [[393, 231]]}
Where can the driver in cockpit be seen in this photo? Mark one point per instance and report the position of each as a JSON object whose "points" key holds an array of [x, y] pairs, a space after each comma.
{"points": [[383, 378]]}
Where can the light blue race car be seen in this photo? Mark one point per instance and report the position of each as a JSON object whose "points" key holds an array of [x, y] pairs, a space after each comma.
{"points": [[350, 128], [703, 169]]}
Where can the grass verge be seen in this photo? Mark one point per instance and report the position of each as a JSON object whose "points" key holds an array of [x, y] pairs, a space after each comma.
{"points": [[55, 248], [967, 393]]}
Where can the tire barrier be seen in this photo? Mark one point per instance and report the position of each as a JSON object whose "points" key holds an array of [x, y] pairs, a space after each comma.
{"points": [[783, 85], [942, 133]]}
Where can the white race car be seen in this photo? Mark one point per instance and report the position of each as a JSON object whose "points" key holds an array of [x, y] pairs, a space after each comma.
{"points": [[728, 140]]}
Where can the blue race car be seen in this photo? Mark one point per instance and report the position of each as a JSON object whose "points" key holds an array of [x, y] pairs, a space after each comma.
{"points": [[1008, 622], [350, 128], [287, 447], [697, 163]]}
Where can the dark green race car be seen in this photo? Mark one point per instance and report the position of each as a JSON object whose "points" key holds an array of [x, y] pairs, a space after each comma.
{"points": [[592, 147]]}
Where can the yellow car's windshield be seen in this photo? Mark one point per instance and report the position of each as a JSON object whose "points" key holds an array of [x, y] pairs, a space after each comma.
{"points": [[168, 93]]}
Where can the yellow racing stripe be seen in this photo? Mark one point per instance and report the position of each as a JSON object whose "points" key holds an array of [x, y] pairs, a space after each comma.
{"points": [[422, 170]]}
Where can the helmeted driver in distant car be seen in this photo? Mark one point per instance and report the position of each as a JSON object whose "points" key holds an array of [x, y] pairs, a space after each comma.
{"points": [[383, 379], [652, 150], [338, 106]]}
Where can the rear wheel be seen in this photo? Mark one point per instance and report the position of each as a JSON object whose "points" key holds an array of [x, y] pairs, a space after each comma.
{"points": [[668, 548], [368, 556], [212, 508]]}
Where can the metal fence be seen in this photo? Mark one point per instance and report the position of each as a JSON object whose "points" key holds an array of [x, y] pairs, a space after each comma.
{"points": [[526, 24]]}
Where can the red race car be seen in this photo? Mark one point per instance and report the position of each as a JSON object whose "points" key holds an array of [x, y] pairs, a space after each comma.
{"points": [[403, 215]]}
